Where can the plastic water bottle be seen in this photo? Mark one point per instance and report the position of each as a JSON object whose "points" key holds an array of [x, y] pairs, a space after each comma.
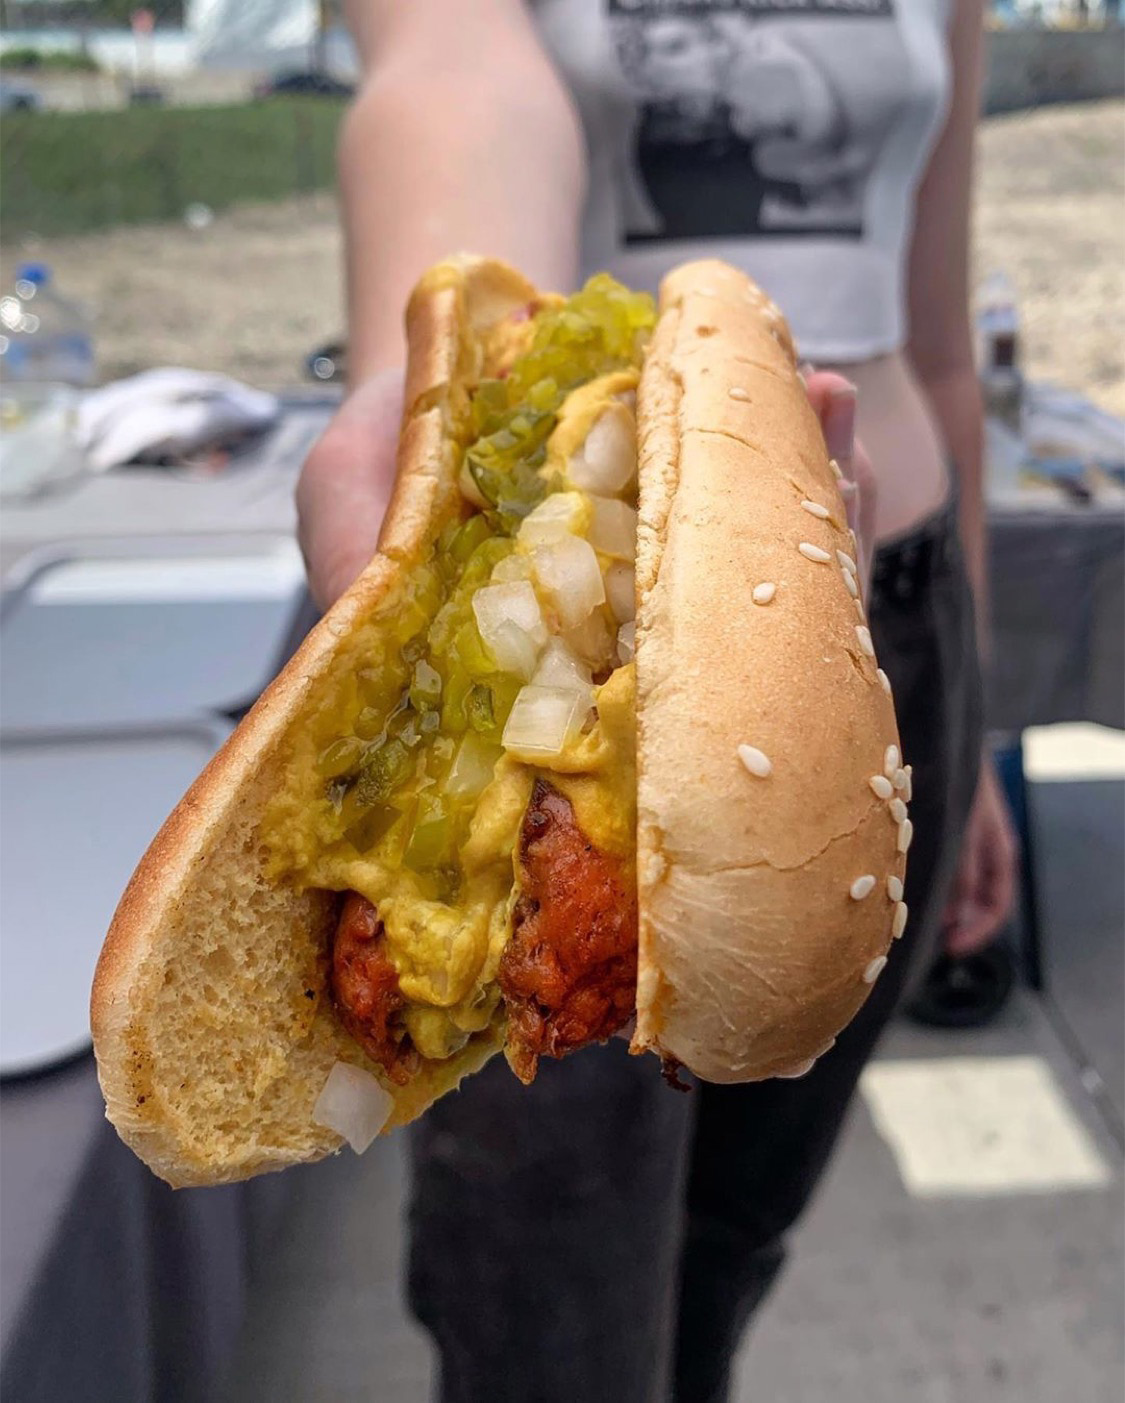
{"points": [[998, 324], [44, 337]]}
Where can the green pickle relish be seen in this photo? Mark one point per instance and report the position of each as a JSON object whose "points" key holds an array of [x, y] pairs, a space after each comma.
{"points": [[416, 743], [598, 330]]}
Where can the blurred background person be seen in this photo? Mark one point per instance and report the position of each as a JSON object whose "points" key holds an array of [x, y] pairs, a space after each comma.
{"points": [[621, 1237], [169, 201]]}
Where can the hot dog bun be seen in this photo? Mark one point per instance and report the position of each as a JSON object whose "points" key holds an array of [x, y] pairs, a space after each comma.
{"points": [[213, 1026], [753, 950], [210, 1051]]}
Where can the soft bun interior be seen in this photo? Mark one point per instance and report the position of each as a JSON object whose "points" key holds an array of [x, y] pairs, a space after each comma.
{"points": [[213, 1028]]}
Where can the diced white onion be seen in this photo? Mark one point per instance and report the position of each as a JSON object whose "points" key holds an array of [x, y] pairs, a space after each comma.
{"points": [[561, 514], [515, 651], [515, 603], [512, 567], [607, 461], [613, 528], [542, 722], [511, 625], [472, 768], [569, 574], [621, 591], [627, 642], [593, 641], [353, 1104], [559, 666]]}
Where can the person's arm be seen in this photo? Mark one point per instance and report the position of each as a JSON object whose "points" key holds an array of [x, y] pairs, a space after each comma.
{"points": [[938, 290], [941, 352], [461, 138]]}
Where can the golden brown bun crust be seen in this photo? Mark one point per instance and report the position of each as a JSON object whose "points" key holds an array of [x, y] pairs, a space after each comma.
{"points": [[212, 1026], [752, 949]]}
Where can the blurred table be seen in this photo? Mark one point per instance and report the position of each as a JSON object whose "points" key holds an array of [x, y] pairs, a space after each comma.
{"points": [[111, 1286], [1057, 582], [1057, 597], [114, 1286], [253, 495], [1057, 579], [1056, 513]]}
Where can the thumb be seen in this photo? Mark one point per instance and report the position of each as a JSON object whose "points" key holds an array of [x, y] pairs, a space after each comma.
{"points": [[346, 484]]}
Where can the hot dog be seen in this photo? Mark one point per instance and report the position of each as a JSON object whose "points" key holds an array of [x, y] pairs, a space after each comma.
{"points": [[598, 735]]}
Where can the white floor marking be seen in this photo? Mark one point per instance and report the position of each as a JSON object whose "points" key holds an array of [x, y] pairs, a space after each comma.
{"points": [[1071, 752], [971, 1126]]}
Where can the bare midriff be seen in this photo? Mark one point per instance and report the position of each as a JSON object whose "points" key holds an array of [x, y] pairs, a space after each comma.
{"points": [[898, 431]]}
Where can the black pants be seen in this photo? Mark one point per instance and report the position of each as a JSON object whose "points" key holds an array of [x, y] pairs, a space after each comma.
{"points": [[600, 1237]]}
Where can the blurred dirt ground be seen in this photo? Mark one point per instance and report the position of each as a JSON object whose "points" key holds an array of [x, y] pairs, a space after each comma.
{"points": [[259, 288], [1050, 211]]}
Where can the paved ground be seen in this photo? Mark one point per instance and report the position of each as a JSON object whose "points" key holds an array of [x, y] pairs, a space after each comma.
{"points": [[259, 288], [958, 1299], [940, 1294]]}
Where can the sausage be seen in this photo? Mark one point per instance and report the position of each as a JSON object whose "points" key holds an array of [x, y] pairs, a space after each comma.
{"points": [[569, 971], [365, 987]]}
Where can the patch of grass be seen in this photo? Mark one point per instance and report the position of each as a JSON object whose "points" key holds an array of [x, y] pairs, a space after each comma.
{"points": [[72, 172], [28, 60]]}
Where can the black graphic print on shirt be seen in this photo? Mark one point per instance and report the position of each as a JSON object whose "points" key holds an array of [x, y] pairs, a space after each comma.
{"points": [[756, 118]]}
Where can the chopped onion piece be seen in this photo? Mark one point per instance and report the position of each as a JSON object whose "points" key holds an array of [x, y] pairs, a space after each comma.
{"points": [[512, 567], [561, 514], [613, 528], [515, 603], [559, 666], [607, 461], [543, 720], [353, 1104], [511, 625], [593, 641], [627, 642], [515, 651], [472, 768], [621, 591], [570, 576], [561, 669]]}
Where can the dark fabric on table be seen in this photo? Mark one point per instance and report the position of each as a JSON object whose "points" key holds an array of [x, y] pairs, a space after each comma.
{"points": [[136, 1292], [1057, 584], [600, 1236]]}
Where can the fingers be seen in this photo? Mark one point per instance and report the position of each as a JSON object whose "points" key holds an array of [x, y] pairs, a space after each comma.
{"points": [[857, 483], [984, 892], [997, 868], [866, 505], [834, 399], [958, 921], [976, 931], [345, 486], [993, 902]]}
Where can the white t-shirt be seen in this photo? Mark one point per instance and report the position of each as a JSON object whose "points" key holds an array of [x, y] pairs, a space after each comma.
{"points": [[786, 136]]}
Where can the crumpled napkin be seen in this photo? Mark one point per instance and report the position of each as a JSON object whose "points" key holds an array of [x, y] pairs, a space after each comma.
{"points": [[167, 413]]}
